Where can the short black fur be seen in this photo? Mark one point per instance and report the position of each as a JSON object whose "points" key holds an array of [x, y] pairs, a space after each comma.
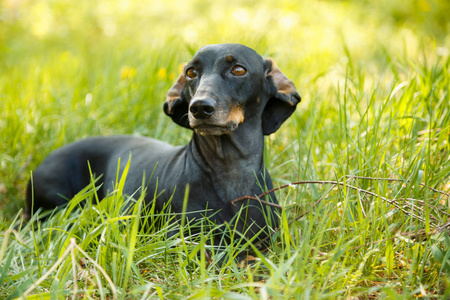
{"points": [[223, 161]]}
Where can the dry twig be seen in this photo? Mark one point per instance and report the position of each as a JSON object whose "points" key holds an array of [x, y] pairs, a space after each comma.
{"points": [[414, 211]]}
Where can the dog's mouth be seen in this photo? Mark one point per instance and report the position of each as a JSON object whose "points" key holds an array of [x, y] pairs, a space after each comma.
{"points": [[222, 122], [213, 129]]}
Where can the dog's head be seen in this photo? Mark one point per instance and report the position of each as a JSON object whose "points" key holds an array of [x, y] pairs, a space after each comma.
{"points": [[226, 84]]}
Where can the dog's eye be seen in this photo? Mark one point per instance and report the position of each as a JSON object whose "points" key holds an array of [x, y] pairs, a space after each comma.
{"points": [[239, 71], [191, 73]]}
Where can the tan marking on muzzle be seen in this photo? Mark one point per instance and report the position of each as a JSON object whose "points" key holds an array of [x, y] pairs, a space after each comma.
{"points": [[236, 114]]}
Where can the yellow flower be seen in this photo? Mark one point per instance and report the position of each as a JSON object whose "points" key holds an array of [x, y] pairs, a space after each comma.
{"points": [[127, 72], [424, 5], [162, 73]]}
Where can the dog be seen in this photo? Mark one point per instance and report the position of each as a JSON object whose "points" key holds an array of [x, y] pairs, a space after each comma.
{"points": [[230, 97]]}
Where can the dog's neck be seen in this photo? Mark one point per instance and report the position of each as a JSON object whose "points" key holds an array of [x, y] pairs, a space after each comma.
{"points": [[234, 159]]}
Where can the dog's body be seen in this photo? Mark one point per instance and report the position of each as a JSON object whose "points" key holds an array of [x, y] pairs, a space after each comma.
{"points": [[231, 98]]}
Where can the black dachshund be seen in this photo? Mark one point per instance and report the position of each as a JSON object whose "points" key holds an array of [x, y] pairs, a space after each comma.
{"points": [[230, 97]]}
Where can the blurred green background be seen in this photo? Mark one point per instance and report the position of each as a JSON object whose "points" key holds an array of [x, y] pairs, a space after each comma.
{"points": [[308, 34], [70, 69]]}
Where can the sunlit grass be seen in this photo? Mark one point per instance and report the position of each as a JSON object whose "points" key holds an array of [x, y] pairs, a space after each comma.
{"points": [[374, 77]]}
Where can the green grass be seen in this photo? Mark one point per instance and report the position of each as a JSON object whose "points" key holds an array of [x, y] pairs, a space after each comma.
{"points": [[374, 78]]}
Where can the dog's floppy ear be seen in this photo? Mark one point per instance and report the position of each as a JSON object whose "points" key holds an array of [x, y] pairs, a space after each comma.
{"points": [[283, 98], [176, 106]]}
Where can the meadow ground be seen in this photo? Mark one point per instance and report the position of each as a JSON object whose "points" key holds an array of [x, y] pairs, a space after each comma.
{"points": [[374, 121]]}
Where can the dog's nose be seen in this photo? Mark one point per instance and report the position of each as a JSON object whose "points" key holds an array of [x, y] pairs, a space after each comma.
{"points": [[203, 108]]}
